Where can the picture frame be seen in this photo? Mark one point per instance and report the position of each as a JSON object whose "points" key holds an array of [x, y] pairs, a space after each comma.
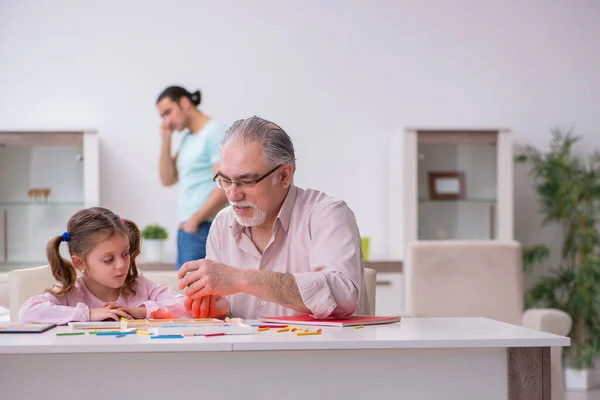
{"points": [[447, 185]]}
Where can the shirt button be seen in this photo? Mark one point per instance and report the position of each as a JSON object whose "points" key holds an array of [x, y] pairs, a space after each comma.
{"points": [[263, 303]]}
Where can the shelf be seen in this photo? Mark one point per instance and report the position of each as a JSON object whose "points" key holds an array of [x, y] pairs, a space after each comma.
{"points": [[9, 266], [483, 201], [43, 204]]}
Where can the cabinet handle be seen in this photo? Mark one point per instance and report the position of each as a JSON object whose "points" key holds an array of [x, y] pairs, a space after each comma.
{"points": [[383, 283]]}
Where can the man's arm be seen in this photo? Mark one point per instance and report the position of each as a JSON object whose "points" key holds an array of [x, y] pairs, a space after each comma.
{"points": [[275, 287], [168, 163], [334, 284], [215, 202]]}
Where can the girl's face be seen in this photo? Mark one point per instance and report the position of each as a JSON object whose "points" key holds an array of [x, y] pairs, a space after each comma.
{"points": [[108, 263]]}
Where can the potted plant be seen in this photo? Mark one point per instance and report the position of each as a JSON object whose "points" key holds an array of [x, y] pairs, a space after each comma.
{"points": [[568, 186], [154, 238]]}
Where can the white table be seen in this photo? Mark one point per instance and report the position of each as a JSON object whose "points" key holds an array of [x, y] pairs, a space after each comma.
{"points": [[433, 358]]}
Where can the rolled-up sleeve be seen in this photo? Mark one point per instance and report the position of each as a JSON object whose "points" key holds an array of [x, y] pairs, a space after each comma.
{"points": [[332, 288]]}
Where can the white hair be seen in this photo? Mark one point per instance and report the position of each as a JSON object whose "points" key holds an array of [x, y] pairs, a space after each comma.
{"points": [[277, 146]]}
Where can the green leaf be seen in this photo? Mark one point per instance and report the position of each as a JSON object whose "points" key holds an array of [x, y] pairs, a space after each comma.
{"points": [[534, 255], [568, 189], [154, 232]]}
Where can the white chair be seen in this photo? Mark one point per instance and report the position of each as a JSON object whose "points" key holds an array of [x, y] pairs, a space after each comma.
{"points": [[24, 283], [370, 282], [462, 278]]}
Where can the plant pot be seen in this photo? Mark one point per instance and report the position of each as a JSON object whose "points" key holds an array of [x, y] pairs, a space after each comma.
{"points": [[152, 250], [582, 380]]}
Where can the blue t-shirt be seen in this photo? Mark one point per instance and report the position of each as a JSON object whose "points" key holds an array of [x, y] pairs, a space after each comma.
{"points": [[197, 153]]}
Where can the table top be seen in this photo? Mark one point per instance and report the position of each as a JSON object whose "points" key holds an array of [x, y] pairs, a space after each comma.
{"points": [[410, 333]]}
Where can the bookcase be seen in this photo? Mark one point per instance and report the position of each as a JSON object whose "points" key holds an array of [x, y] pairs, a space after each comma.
{"points": [[45, 176]]}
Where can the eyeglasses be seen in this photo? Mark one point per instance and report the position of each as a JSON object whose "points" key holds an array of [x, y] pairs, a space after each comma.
{"points": [[227, 184]]}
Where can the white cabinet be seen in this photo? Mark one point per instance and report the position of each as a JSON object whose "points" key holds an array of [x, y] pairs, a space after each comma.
{"points": [[44, 178], [452, 184], [448, 184]]}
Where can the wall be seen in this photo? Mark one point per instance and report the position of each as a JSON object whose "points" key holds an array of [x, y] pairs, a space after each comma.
{"points": [[339, 76]]}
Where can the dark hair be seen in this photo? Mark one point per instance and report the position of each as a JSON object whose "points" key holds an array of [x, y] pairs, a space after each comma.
{"points": [[87, 228], [175, 93]]}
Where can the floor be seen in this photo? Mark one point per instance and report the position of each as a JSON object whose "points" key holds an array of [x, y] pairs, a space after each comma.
{"points": [[593, 395]]}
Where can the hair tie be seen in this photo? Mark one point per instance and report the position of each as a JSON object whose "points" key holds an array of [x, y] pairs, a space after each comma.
{"points": [[66, 237], [122, 219]]}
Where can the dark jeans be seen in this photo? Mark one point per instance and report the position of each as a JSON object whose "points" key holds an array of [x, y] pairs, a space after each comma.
{"points": [[191, 246]]}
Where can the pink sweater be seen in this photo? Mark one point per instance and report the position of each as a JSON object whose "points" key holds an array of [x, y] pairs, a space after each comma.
{"points": [[76, 305]]}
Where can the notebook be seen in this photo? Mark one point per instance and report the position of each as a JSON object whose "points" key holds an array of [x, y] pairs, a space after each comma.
{"points": [[25, 328], [353, 320]]}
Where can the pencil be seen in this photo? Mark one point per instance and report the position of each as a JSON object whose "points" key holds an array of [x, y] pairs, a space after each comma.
{"points": [[70, 333], [215, 334], [307, 333], [115, 333], [359, 327], [270, 326], [167, 337]]}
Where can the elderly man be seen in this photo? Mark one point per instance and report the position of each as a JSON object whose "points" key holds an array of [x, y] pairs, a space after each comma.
{"points": [[277, 249]]}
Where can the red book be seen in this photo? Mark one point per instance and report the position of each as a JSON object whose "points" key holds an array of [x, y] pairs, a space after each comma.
{"points": [[353, 320]]}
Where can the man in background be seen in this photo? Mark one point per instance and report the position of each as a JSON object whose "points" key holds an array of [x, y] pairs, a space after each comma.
{"points": [[192, 168]]}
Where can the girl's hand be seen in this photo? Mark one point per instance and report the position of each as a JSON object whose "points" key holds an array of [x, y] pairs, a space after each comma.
{"points": [[111, 304], [104, 313], [136, 312]]}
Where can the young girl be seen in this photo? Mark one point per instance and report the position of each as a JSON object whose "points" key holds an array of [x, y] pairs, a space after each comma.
{"points": [[103, 248]]}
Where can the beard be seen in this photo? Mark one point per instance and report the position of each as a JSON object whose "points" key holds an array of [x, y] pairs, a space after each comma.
{"points": [[257, 219]]}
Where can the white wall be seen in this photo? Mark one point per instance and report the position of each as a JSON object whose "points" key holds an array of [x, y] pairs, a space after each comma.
{"points": [[340, 76]]}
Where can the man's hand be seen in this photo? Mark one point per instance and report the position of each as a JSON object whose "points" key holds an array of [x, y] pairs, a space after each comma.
{"points": [[165, 131], [205, 277], [208, 307], [190, 226]]}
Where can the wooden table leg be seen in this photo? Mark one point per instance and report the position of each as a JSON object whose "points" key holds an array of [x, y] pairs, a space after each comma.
{"points": [[529, 373], [5, 220]]}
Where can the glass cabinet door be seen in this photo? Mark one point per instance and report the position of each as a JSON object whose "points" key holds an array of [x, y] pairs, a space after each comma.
{"points": [[457, 187], [41, 186]]}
